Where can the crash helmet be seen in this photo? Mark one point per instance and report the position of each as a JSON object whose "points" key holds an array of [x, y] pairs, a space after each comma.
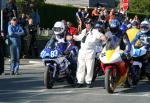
{"points": [[114, 26], [123, 28], [58, 28], [99, 25], [145, 26]]}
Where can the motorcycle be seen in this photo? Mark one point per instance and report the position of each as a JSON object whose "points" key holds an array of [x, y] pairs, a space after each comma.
{"points": [[60, 64], [97, 67], [140, 55], [114, 66]]}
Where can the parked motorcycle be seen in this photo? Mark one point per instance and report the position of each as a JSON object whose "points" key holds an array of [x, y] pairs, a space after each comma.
{"points": [[60, 64]]}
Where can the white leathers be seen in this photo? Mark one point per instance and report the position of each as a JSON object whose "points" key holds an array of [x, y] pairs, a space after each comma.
{"points": [[87, 53]]}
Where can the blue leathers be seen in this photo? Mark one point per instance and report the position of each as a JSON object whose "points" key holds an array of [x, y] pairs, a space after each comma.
{"points": [[120, 39], [143, 38], [14, 34]]}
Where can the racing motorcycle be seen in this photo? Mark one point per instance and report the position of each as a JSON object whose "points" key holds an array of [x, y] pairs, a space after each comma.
{"points": [[114, 66], [60, 64], [140, 56]]}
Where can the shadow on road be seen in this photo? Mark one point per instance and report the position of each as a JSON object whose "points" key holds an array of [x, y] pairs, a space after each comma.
{"points": [[144, 86], [14, 89]]}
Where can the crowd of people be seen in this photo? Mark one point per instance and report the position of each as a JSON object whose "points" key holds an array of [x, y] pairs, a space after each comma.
{"points": [[93, 30], [17, 25]]}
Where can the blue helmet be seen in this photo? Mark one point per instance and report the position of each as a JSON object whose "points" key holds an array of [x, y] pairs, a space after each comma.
{"points": [[114, 23], [114, 26], [123, 27], [99, 25]]}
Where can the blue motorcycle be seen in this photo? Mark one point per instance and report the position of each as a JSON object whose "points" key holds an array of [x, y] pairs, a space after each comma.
{"points": [[60, 64]]}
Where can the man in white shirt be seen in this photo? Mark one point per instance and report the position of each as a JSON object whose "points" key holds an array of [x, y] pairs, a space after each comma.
{"points": [[86, 57]]}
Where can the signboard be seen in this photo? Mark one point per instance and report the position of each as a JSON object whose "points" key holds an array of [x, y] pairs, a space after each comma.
{"points": [[125, 5]]}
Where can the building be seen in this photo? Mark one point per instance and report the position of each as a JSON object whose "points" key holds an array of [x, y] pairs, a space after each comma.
{"points": [[85, 3]]}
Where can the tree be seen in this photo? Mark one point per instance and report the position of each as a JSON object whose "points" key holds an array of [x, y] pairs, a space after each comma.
{"points": [[140, 6]]}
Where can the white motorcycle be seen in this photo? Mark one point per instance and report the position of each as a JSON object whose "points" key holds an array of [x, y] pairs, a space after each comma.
{"points": [[138, 55], [140, 58]]}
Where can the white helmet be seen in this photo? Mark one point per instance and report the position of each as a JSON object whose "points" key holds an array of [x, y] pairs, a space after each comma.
{"points": [[145, 26], [59, 27]]}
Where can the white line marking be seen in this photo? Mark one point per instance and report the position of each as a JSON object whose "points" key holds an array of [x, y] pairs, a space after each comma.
{"points": [[42, 91], [34, 62], [118, 94]]}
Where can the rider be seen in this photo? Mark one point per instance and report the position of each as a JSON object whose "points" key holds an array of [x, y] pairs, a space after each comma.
{"points": [[141, 36], [119, 36], [59, 35], [144, 32]]}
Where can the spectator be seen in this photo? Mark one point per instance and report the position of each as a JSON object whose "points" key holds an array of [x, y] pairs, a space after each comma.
{"points": [[111, 15], [14, 33], [5, 20], [66, 27], [85, 14], [122, 11], [136, 19], [1, 53], [105, 12], [33, 43], [79, 19], [23, 23], [72, 31], [11, 9], [36, 17], [95, 14]]}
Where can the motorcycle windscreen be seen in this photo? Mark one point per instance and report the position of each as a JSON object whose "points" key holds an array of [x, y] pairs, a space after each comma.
{"points": [[111, 52]]}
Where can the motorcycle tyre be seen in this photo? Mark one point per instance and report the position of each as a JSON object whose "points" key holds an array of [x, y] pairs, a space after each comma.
{"points": [[108, 81], [48, 78]]}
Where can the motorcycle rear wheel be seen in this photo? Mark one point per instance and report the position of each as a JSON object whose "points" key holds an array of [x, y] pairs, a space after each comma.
{"points": [[48, 78]]}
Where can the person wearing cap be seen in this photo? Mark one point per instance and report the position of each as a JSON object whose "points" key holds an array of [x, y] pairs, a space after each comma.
{"points": [[86, 56], [15, 32]]}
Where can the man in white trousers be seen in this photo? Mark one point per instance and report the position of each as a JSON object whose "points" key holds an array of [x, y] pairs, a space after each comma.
{"points": [[86, 57]]}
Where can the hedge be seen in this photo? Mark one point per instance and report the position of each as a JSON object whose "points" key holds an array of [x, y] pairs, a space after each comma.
{"points": [[51, 13]]}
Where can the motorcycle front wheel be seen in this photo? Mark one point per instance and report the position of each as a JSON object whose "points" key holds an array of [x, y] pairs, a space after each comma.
{"points": [[109, 81], [48, 75]]}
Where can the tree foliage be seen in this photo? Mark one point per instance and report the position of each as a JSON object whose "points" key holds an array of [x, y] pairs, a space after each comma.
{"points": [[140, 6]]}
